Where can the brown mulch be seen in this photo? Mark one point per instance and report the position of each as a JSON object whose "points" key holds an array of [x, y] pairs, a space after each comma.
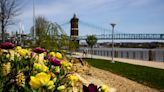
{"points": [[100, 77]]}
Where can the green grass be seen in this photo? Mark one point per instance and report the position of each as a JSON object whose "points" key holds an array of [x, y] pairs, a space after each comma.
{"points": [[146, 75]]}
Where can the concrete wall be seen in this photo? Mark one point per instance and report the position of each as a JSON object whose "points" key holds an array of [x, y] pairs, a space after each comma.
{"points": [[131, 53]]}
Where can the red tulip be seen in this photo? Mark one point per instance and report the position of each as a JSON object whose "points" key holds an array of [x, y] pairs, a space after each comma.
{"points": [[55, 62], [39, 50], [7, 45], [90, 88]]}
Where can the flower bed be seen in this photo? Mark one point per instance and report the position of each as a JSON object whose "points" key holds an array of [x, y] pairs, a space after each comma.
{"points": [[28, 70]]}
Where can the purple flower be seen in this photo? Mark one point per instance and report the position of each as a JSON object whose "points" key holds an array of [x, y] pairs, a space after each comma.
{"points": [[90, 88], [55, 62], [7, 45], [39, 50]]}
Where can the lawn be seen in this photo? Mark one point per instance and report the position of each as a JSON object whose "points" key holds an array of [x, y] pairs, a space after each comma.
{"points": [[146, 75]]}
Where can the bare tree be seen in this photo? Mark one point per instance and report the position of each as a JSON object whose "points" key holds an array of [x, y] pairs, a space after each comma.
{"points": [[8, 10]]}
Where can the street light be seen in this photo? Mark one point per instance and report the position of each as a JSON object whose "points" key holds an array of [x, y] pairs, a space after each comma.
{"points": [[34, 20], [113, 25]]}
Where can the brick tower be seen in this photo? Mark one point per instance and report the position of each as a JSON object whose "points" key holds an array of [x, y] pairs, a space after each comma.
{"points": [[74, 28]]}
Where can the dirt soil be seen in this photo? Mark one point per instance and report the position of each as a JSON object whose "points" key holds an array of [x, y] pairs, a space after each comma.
{"points": [[115, 82]]}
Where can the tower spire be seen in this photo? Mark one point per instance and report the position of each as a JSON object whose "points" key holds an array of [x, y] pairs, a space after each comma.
{"points": [[74, 26], [74, 16]]}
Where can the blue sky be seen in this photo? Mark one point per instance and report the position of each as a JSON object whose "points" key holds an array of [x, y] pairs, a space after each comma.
{"points": [[131, 16]]}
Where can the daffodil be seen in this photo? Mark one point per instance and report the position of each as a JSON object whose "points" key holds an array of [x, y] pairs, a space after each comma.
{"points": [[41, 58], [6, 68], [12, 53], [58, 55], [20, 79]]}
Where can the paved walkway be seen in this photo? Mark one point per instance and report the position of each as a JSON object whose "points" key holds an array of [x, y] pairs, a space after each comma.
{"points": [[153, 64]]}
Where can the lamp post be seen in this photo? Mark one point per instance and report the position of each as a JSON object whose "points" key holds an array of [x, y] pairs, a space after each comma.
{"points": [[34, 33], [113, 25]]}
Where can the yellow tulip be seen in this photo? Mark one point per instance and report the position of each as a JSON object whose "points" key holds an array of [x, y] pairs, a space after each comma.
{"points": [[58, 55], [52, 54], [104, 88], [43, 77], [57, 69], [24, 52], [50, 85], [8, 56], [12, 53], [60, 88], [18, 48], [52, 74], [68, 68], [66, 65], [40, 67], [35, 82], [54, 80], [21, 52], [73, 78]]}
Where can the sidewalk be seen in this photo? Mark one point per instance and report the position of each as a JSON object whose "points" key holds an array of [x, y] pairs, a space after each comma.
{"points": [[153, 64]]}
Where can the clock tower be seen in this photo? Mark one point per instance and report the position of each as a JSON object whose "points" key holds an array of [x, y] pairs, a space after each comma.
{"points": [[74, 28]]}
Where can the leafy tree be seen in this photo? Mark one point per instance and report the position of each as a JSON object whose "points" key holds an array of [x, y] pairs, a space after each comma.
{"points": [[49, 35], [73, 45], [91, 41], [8, 10]]}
